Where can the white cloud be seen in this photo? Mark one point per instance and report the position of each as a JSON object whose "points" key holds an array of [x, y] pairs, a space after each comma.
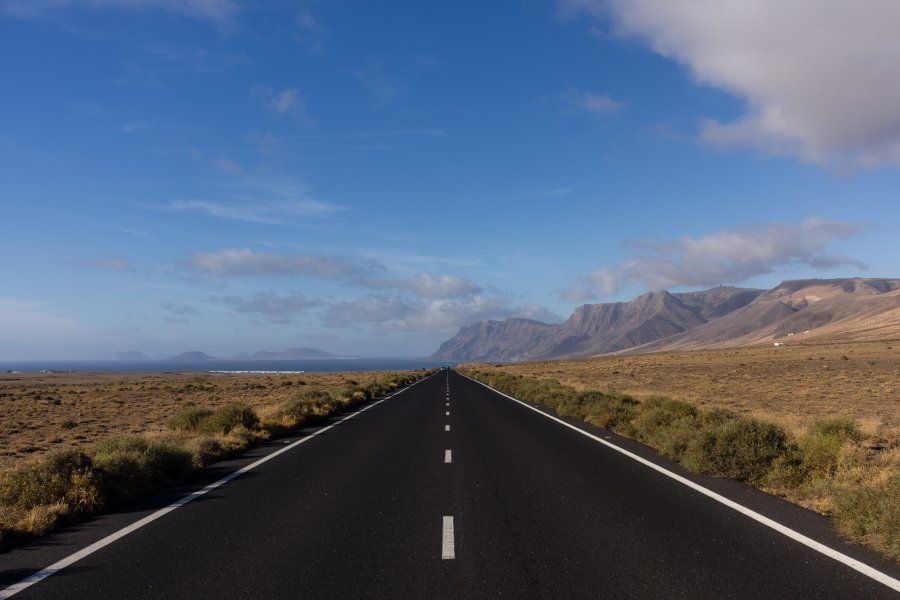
{"points": [[288, 102], [819, 76], [218, 11], [722, 257], [371, 309], [427, 285], [428, 317], [243, 261], [277, 309]]}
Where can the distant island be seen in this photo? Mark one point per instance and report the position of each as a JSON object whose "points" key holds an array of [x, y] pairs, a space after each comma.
{"points": [[288, 354]]}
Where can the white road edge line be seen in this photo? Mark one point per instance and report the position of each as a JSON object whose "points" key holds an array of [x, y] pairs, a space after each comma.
{"points": [[448, 547], [448, 456], [854, 564], [88, 550]]}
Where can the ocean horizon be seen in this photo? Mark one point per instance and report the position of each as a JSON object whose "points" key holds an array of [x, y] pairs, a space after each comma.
{"points": [[321, 365]]}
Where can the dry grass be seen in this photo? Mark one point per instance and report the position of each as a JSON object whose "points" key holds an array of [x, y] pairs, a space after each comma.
{"points": [[792, 385], [59, 411]]}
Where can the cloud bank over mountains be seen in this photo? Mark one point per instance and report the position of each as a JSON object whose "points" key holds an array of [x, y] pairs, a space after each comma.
{"points": [[724, 257]]}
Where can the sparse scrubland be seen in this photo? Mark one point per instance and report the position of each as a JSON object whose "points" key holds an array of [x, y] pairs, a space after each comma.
{"points": [[79, 444], [839, 459]]}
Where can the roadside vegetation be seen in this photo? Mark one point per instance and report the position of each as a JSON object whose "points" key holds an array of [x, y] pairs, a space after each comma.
{"points": [[64, 485], [826, 467]]}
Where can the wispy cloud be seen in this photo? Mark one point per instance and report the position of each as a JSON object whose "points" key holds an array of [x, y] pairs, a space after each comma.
{"points": [[288, 102], [109, 264], [371, 309], [259, 201], [135, 126], [722, 257], [818, 76], [246, 262], [178, 313], [577, 102], [389, 313], [216, 11], [311, 32], [275, 308], [390, 80], [426, 285]]}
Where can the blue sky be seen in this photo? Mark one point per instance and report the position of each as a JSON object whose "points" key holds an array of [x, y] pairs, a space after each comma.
{"points": [[365, 178]]}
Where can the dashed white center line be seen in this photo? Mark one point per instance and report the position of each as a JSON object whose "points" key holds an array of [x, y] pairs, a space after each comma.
{"points": [[448, 546], [448, 404], [446, 428], [448, 458], [448, 414]]}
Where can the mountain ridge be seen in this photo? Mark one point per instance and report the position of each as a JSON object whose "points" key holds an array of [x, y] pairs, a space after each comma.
{"points": [[724, 316]]}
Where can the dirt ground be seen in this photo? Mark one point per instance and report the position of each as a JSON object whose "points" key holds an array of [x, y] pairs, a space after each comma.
{"points": [[792, 385], [40, 412]]}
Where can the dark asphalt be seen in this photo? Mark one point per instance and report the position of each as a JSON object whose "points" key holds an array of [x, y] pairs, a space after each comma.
{"points": [[539, 512]]}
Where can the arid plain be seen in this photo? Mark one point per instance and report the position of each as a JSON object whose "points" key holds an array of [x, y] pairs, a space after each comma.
{"points": [[792, 385], [54, 411]]}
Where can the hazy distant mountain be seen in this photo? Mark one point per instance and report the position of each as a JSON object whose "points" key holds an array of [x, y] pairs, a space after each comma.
{"points": [[193, 356], [290, 354], [720, 317]]}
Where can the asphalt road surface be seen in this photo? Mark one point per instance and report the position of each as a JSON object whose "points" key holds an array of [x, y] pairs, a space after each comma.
{"points": [[449, 490]]}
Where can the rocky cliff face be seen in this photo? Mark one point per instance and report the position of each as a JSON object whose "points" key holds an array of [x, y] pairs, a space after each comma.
{"points": [[857, 308], [593, 328], [512, 340]]}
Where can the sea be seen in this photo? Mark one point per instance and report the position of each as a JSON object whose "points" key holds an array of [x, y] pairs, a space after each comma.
{"points": [[322, 365]]}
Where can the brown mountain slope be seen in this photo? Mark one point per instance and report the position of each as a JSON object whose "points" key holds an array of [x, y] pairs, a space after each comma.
{"points": [[508, 341], [594, 328], [816, 309]]}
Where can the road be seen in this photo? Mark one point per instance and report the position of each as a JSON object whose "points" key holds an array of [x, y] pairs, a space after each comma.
{"points": [[450, 490]]}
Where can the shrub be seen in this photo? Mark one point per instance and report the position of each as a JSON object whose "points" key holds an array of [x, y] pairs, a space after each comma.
{"points": [[305, 407], [65, 477], [190, 419], [828, 444], [352, 393], [130, 466], [740, 448], [206, 450], [227, 417], [871, 514], [220, 421]]}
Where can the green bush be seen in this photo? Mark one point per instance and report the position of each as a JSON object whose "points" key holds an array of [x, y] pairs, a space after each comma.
{"points": [[130, 466], [353, 393], [871, 514], [828, 444], [190, 419], [62, 477], [741, 448], [228, 417], [212, 422]]}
